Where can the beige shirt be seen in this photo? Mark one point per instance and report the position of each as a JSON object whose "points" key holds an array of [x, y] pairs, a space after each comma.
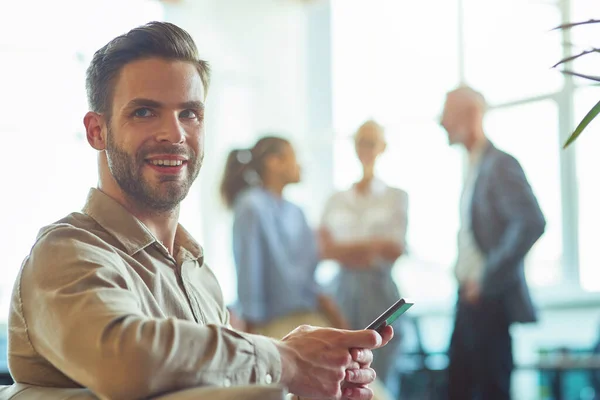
{"points": [[99, 303]]}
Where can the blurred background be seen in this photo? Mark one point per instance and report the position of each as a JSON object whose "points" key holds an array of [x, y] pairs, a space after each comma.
{"points": [[314, 71]]}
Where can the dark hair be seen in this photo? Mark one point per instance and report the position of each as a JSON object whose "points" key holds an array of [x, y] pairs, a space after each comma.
{"points": [[245, 167], [155, 39]]}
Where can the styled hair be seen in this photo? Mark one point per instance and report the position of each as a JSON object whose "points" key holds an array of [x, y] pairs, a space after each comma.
{"points": [[246, 167], [154, 39]]}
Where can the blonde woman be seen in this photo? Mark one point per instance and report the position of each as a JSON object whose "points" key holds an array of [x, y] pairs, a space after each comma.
{"points": [[364, 229]]}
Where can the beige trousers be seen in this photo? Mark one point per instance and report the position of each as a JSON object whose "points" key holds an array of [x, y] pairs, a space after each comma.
{"points": [[282, 326]]}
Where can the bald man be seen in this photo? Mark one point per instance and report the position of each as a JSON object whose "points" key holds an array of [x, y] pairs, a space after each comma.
{"points": [[500, 221]]}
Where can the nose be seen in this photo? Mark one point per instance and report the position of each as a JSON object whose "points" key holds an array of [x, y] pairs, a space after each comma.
{"points": [[171, 130]]}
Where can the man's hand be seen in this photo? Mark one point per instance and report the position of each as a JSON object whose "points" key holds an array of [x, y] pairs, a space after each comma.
{"points": [[355, 385], [330, 363], [472, 292]]}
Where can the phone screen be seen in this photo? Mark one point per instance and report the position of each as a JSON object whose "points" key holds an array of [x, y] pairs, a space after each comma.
{"points": [[390, 315]]}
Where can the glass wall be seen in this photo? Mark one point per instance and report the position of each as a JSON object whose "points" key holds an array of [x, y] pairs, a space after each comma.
{"points": [[394, 62]]}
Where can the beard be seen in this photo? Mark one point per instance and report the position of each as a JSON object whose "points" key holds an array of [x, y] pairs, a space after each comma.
{"points": [[162, 196]]}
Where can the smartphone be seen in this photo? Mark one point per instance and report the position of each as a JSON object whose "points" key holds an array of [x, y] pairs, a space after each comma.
{"points": [[390, 315]]}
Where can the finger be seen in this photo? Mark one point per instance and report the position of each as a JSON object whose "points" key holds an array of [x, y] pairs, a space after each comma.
{"points": [[366, 339], [338, 358], [362, 356], [355, 365], [362, 376], [387, 334], [357, 393]]}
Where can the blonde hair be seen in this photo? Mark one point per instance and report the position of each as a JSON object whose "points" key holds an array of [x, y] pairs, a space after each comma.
{"points": [[371, 124]]}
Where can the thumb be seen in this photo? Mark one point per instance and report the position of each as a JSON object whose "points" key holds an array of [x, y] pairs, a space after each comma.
{"points": [[365, 339]]}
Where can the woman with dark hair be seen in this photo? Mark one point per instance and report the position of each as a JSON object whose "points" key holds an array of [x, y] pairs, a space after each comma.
{"points": [[275, 250]]}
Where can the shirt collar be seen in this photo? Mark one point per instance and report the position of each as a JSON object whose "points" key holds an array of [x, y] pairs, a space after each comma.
{"points": [[127, 229], [187, 242]]}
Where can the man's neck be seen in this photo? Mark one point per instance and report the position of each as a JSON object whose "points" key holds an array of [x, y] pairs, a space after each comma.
{"points": [[479, 140], [163, 225], [476, 147]]}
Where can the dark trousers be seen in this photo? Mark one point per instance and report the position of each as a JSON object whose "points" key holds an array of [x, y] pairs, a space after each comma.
{"points": [[480, 353]]}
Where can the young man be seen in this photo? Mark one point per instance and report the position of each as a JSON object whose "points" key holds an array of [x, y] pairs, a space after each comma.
{"points": [[500, 222], [117, 298]]}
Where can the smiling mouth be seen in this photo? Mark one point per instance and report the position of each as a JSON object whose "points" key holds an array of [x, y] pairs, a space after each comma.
{"points": [[166, 163]]}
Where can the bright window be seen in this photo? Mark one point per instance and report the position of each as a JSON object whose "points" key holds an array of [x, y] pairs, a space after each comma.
{"points": [[585, 37], [509, 48], [398, 73], [390, 64], [588, 165]]}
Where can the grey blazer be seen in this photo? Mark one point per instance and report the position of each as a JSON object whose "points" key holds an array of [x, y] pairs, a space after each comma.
{"points": [[506, 222]]}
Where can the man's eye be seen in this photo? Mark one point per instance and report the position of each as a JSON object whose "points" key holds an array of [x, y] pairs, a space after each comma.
{"points": [[142, 113], [188, 114]]}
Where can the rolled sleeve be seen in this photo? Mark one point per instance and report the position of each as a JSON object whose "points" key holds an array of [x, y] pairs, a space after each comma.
{"points": [[268, 360]]}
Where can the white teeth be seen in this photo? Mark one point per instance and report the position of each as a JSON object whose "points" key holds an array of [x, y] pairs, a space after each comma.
{"points": [[170, 163]]}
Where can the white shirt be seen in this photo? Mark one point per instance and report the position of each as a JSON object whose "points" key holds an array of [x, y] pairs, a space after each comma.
{"points": [[471, 260], [381, 212]]}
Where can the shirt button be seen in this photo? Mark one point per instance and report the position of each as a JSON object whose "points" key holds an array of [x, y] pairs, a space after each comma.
{"points": [[268, 379], [226, 382]]}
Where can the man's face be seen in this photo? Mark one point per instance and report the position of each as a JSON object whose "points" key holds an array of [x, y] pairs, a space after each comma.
{"points": [[455, 120], [155, 138]]}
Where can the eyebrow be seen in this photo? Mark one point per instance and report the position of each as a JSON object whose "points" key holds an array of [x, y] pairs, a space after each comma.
{"points": [[139, 102]]}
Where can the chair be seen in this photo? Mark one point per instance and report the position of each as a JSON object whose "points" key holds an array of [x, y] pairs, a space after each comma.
{"points": [[422, 373], [19, 391]]}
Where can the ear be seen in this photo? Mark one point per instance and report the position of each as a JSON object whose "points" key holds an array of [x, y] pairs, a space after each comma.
{"points": [[94, 129]]}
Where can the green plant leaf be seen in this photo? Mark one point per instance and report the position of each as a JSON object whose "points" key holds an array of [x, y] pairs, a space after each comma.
{"points": [[572, 24], [593, 113], [571, 58], [590, 77]]}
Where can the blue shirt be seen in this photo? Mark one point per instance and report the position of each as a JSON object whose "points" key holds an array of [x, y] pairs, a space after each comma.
{"points": [[276, 255]]}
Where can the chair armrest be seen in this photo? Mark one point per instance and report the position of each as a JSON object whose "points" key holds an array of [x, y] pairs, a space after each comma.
{"points": [[21, 391], [249, 392]]}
